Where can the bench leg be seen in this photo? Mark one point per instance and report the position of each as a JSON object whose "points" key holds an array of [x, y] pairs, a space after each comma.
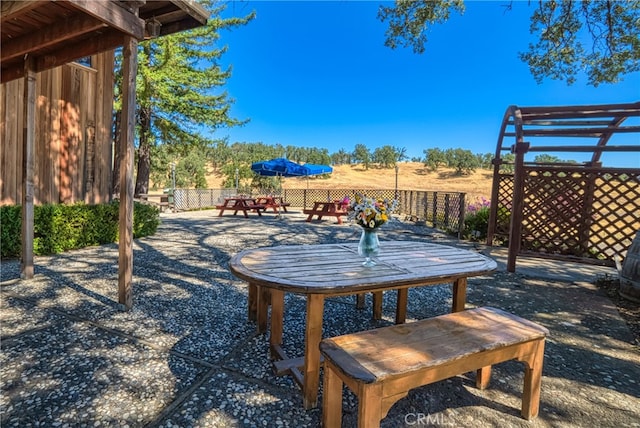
{"points": [[369, 405], [483, 376], [360, 300], [401, 307], [377, 305], [532, 381], [331, 398]]}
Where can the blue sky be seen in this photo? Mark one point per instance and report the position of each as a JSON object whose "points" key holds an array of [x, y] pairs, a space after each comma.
{"points": [[317, 74]]}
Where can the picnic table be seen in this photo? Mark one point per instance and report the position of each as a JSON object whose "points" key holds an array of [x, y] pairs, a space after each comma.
{"points": [[326, 270], [273, 202], [323, 208], [240, 203]]}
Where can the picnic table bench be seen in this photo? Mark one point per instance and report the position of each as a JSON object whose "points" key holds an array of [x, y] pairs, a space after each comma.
{"points": [[273, 202], [240, 203], [322, 209]]}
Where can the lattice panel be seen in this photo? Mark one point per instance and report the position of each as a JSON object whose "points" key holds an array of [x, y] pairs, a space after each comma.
{"points": [[553, 213], [505, 199], [615, 213], [572, 213]]}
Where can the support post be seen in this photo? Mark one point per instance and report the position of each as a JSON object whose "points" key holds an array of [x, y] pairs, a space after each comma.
{"points": [[125, 242], [28, 162], [515, 230]]}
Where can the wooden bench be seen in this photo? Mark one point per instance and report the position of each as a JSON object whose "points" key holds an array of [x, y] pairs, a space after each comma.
{"points": [[380, 366]]}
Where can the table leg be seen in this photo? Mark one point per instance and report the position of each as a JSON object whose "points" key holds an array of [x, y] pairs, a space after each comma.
{"points": [[252, 302], [377, 305], [313, 336], [263, 294], [360, 300], [459, 294], [277, 315], [401, 307]]}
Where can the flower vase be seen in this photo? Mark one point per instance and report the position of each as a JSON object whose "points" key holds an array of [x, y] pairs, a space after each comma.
{"points": [[369, 246]]}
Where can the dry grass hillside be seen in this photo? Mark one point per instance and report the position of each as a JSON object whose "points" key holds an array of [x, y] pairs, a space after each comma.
{"points": [[411, 176]]}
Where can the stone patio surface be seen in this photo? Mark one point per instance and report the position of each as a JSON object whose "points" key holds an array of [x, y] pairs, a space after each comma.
{"points": [[186, 355]]}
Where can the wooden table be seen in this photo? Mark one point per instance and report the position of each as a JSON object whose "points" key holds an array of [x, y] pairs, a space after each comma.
{"points": [[273, 202], [321, 208], [240, 203], [320, 271]]}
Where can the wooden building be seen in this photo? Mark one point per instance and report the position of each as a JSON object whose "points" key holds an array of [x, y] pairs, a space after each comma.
{"points": [[73, 133], [40, 35]]}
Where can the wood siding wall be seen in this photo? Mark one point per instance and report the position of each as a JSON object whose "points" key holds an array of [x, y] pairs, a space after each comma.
{"points": [[73, 134]]}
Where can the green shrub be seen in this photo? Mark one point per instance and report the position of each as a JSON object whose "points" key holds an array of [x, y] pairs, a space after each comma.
{"points": [[146, 219], [10, 229], [59, 228], [476, 221]]}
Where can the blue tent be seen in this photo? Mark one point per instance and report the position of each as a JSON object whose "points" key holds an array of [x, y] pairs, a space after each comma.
{"points": [[285, 168]]}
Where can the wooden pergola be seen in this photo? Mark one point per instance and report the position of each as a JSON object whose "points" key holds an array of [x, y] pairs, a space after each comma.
{"points": [[566, 210], [37, 35]]}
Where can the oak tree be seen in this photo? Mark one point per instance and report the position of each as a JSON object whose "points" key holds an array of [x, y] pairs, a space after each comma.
{"points": [[600, 37]]}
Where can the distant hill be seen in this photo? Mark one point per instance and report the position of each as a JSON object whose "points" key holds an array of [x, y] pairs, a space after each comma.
{"points": [[411, 176]]}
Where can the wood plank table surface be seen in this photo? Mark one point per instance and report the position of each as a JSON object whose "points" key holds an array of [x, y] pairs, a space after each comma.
{"points": [[325, 270]]}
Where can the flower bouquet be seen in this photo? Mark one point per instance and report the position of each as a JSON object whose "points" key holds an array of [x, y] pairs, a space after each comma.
{"points": [[370, 214]]}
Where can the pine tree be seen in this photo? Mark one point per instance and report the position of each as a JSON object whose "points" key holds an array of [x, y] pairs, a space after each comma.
{"points": [[179, 91]]}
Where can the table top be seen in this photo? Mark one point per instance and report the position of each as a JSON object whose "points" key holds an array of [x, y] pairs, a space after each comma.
{"points": [[337, 268]]}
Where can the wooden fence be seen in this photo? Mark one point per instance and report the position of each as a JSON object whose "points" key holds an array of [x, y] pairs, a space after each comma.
{"points": [[441, 210]]}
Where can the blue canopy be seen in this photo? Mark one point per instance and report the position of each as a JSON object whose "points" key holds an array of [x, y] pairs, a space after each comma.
{"points": [[285, 168]]}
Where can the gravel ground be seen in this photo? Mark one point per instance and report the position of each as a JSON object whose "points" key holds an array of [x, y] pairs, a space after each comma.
{"points": [[186, 356]]}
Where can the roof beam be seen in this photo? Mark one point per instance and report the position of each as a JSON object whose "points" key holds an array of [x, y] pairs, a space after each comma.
{"points": [[115, 17], [13, 9], [65, 30], [109, 39]]}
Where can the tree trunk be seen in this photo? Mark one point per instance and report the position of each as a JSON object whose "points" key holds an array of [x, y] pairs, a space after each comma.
{"points": [[115, 177], [144, 154]]}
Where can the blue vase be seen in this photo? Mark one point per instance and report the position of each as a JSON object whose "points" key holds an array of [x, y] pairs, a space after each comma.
{"points": [[369, 246]]}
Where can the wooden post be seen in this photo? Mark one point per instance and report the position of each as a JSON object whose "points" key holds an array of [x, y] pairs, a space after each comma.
{"points": [[435, 209], [28, 162], [461, 214], [493, 209], [125, 243], [515, 230]]}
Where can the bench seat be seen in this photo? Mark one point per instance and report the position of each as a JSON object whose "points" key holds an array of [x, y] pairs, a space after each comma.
{"points": [[381, 365]]}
